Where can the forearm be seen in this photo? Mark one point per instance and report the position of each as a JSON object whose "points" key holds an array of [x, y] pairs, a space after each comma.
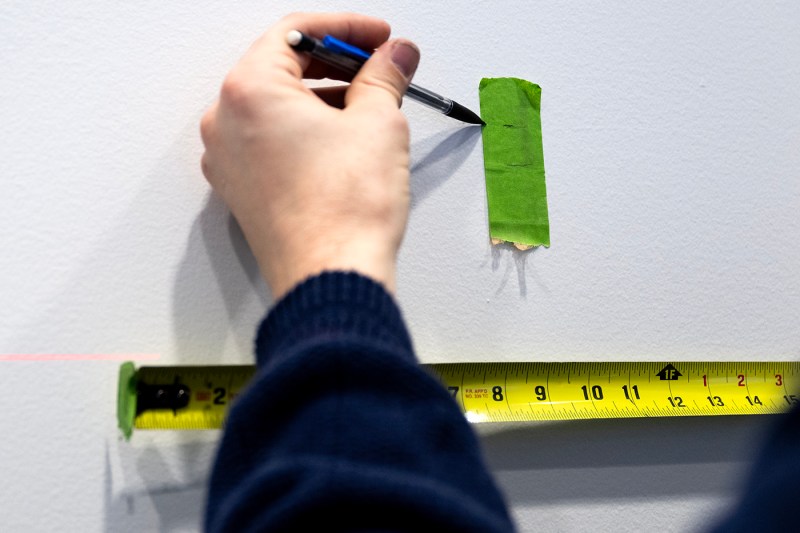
{"points": [[342, 420]]}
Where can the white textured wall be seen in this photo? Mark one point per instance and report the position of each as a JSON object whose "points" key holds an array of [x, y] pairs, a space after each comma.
{"points": [[671, 135]]}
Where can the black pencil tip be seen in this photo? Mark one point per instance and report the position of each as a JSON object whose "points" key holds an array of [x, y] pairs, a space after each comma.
{"points": [[459, 112]]}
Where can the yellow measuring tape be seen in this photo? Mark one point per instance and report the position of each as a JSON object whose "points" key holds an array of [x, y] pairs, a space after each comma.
{"points": [[197, 397]]}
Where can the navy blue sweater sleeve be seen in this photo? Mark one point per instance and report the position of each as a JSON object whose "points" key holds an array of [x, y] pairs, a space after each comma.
{"points": [[342, 427], [770, 494]]}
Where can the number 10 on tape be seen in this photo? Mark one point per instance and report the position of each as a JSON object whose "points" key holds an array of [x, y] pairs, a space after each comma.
{"points": [[489, 392]]}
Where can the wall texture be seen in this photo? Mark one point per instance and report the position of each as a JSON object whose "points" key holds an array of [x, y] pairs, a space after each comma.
{"points": [[671, 136]]}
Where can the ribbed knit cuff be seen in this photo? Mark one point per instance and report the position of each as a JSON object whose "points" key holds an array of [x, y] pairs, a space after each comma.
{"points": [[328, 307]]}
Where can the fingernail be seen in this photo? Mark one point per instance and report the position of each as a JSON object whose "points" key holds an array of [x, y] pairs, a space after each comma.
{"points": [[405, 56]]}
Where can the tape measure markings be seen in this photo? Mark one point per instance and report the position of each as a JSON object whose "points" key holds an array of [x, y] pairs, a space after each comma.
{"points": [[598, 384], [197, 397]]}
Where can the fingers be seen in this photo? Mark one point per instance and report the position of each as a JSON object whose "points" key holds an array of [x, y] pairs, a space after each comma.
{"points": [[383, 80], [271, 69], [359, 30]]}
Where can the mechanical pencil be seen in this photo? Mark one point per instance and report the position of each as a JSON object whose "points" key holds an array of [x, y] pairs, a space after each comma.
{"points": [[348, 58]]}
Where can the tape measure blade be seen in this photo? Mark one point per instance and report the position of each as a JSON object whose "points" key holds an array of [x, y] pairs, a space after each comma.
{"points": [[497, 392]]}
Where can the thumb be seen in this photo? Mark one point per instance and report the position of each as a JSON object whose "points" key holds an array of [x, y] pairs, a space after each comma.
{"points": [[384, 78]]}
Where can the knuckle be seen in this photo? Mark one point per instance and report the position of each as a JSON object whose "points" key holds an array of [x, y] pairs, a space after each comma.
{"points": [[238, 93], [397, 123]]}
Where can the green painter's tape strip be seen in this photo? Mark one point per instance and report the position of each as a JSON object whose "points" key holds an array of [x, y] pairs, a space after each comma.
{"points": [[514, 161]]}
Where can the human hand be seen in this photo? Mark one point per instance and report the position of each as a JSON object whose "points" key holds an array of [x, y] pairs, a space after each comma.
{"points": [[312, 186]]}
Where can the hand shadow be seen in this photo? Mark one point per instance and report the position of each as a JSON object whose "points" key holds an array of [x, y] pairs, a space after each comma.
{"points": [[449, 152], [218, 291]]}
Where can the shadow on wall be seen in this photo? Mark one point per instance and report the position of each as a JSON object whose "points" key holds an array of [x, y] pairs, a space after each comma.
{"points": [[449, 150], [514, 258], [217, 255], [163, 500], [624, 458]]}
